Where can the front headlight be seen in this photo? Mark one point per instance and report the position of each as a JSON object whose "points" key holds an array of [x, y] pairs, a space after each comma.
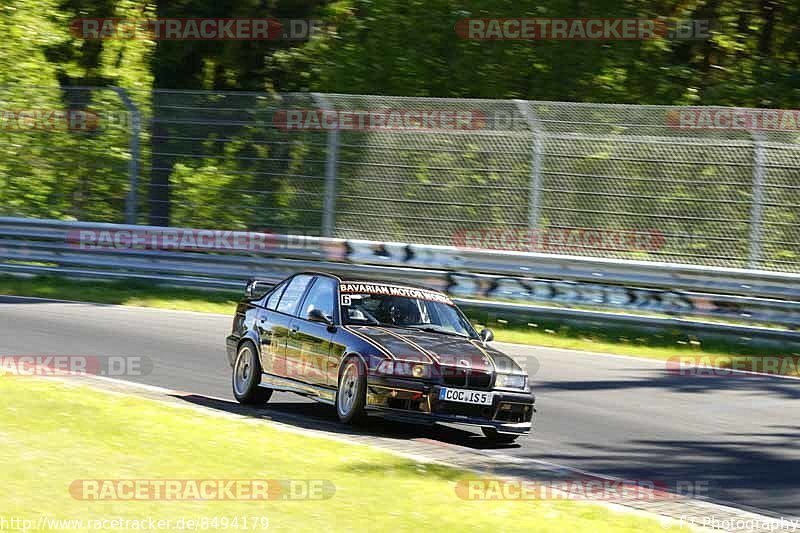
{"points": [[510, 381], [405, 369]]}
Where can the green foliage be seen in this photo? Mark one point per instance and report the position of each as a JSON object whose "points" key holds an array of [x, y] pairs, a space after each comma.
{"points": [[411, 48], [55, 170], [192, 174]]}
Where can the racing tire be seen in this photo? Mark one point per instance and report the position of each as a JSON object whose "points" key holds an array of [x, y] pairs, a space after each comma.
{"points": [[497, 437], [246, 377], [351, 394]]}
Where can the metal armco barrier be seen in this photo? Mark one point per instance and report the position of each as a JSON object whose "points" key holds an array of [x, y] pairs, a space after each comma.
{"points": [[610, 290]]}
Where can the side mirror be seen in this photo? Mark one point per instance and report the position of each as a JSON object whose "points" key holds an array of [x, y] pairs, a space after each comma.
{"points": [[316, 315], [256, 289], [487, 335]]}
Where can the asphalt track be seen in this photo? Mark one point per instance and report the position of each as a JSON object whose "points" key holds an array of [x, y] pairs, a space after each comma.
{"points": [[736, 435]]}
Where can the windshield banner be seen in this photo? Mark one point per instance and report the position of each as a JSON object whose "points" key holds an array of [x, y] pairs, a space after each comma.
{"points": [[393, 290]]}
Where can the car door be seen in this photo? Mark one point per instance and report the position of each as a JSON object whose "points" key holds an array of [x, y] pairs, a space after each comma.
{"points": [[309, 343], [277, 322], [272, 330]]}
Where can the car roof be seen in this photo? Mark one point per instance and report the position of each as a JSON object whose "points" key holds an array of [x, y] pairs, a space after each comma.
{"points": [[371, 281], [387, 282]]}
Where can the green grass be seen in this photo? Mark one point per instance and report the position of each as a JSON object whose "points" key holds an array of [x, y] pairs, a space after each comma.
{"points": [[122, 292], [633, 342], [706, 350], [548, 333], [55, 432]]}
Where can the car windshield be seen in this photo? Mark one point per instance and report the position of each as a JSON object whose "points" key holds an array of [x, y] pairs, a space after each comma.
{"points": [[412, 308]]}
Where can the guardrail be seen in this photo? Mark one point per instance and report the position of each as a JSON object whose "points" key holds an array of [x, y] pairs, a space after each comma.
{"points": [[609, 290]]}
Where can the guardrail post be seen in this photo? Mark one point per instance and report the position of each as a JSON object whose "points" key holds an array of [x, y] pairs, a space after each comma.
{"points": [[757, 205], [535, 197], [133, 147], [329, 200]]}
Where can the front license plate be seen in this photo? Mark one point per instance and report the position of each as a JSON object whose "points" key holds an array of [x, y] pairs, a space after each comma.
{"points": [[466, 396]]}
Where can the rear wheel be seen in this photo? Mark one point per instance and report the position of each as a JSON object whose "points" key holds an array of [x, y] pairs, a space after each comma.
{"points": [[247, 377], [352, 392], [500, 438]]}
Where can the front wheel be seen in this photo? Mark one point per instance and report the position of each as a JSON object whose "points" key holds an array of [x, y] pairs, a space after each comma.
{"points": [[497, 437], [247, 377], [352, 392]]}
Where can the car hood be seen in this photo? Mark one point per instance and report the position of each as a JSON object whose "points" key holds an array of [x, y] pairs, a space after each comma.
{"points": [[448, 350]]}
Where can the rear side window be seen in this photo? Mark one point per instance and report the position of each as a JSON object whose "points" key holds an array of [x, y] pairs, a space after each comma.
{"points": [[272, 300], [292, 294]]}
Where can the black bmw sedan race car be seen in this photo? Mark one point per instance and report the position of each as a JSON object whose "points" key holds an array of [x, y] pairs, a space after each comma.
{"points": [[379, 348]]}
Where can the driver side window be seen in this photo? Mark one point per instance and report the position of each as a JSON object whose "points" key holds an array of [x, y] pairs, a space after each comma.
{"points": [[322, 296]]}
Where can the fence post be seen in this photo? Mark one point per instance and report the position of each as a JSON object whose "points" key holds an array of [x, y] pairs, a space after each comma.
{"points": [[133, 147], [534, 208], [329, 200], [756, 207]]}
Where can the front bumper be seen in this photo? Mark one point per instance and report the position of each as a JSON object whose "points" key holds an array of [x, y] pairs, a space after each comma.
{"points": [[418, 402]]}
